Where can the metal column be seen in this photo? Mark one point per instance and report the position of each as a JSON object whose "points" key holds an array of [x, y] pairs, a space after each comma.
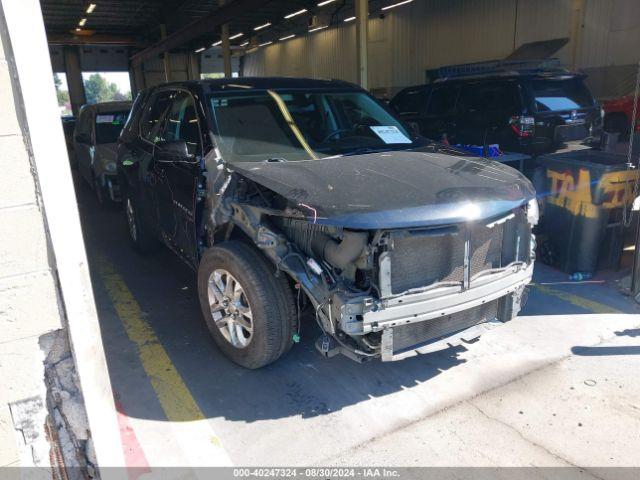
{"points": [[635, 273], [193, 66], [226, 47], [165, 59], [226, 51], [73, 71], [575, 30], [136, 77], [362, 41]]}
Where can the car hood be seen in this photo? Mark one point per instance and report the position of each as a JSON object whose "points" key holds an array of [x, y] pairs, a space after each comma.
{"points": [[395, 189]]}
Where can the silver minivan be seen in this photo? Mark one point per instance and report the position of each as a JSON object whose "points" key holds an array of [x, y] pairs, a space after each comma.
{"points": [[95, 142]]}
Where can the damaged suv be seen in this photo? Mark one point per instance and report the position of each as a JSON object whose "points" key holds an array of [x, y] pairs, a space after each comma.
{"points": [[286, 193]]}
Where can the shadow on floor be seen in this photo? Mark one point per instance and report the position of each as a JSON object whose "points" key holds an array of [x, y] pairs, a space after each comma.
{"points": [[605, 351], [629, 332]]}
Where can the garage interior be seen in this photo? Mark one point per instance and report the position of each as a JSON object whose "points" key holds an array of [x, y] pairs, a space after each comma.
{"points": [[555, 387]]}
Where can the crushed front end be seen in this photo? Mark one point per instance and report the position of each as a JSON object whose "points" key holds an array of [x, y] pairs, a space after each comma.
{"points": [[430, 284], [387, 293]]}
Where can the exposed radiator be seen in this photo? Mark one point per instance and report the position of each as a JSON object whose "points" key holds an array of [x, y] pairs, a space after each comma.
{"points": [[417, 334], [419, 259]]}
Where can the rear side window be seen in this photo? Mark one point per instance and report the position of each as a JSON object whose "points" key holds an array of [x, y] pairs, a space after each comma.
{"points": [[443, 100], [488, 97], [411, 102], [560, 94], [155, 109], [181, 122]]}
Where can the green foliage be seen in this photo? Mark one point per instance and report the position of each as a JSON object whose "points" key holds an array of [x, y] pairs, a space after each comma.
{"points": [[63, 95], [98, 90]]}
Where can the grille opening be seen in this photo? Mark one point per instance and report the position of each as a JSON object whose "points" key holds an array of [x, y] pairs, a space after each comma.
{"points": [[419, 260], [408, 337]]}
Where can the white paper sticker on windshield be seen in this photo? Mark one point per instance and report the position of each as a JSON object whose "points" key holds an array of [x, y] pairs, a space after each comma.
{"points": [[390, 134]]}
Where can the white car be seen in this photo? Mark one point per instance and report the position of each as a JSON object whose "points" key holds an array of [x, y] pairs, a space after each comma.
{"points": [[95, 142]]}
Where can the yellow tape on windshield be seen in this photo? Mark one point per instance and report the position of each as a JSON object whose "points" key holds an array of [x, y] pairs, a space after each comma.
{"points": [[292, 124]]}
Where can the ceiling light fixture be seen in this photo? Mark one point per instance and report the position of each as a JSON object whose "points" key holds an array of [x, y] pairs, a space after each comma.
{"points": [[295, 14], [201, 49], [326, 2], [237, 35], [91, 8], [287, 37], [265, 44], [389, 7], [219, 42], [82, 22], [260, 27], [350, 19], [318, 28], [244, 44]]}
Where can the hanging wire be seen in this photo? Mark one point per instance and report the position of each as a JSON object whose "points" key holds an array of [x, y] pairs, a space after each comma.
{"points": [[626, 214]]}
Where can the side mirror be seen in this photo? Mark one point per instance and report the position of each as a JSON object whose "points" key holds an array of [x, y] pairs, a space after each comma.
{"points": [[173, 151]]}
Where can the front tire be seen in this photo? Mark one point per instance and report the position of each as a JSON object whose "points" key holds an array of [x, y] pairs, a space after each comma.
{"points": [[249, 311]]}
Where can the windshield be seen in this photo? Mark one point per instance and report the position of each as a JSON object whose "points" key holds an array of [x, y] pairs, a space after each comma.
{"points": [[290, 126], [554, 95], [109, 125]]}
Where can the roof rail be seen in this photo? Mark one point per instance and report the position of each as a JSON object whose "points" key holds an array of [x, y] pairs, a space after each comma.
{"points": [[515, 67]]}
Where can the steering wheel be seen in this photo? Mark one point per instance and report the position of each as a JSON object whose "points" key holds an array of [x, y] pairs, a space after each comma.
{"points": [[333, 133], [354, 128]]}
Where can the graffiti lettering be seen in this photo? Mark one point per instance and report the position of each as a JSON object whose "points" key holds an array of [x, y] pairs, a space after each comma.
{"points": [[577, 195]]}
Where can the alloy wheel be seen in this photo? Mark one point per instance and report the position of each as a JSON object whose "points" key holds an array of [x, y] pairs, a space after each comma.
{"points": [[230, 308]]}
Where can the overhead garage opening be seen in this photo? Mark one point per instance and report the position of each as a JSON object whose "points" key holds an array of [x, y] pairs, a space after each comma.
{"points": [[180, 400]]}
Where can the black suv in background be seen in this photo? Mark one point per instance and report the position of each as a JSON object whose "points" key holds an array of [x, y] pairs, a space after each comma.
{"points": [[528, 107], [270, 186]]}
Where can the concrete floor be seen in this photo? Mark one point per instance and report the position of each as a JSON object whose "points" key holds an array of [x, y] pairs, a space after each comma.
{"points": [[557, 386]]}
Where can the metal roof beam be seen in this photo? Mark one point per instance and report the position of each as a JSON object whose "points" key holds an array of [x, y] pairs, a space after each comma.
{"points": [[199, 27]]}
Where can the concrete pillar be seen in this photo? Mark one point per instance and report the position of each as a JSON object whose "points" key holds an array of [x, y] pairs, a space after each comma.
{"points": [[51, 317], [362, 41], [193, 66], [77, 94]]}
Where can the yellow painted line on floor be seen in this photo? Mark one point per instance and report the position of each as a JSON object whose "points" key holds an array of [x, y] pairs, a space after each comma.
{"points": [[173, 394], [187, 423], [578, 301]]}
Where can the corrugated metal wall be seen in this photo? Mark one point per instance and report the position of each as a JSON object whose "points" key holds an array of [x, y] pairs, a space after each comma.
{"points": [[430, 33]]}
